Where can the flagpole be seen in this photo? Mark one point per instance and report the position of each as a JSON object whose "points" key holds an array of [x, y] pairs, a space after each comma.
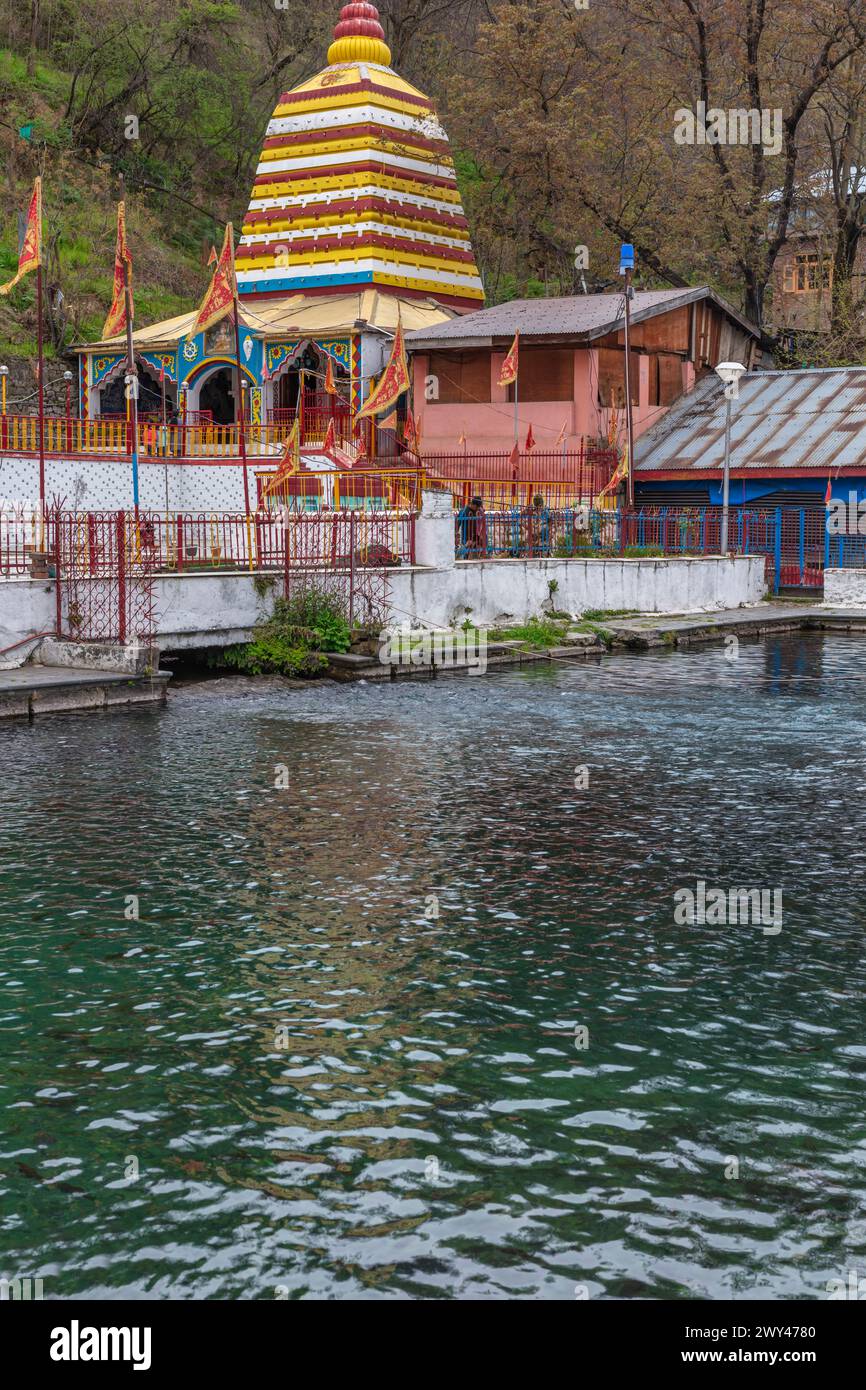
{"points": [[241, 420], [41, 370], [131, 369]]}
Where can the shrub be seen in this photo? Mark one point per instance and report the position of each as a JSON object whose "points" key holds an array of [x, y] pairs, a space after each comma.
{"points": [[291, 642]]}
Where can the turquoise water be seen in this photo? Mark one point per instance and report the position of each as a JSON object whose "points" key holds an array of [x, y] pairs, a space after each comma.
{"points": [[288, 1078]]}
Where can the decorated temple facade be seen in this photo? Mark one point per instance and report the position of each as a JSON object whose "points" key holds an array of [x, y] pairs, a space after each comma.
{"points": [[354, 219]]}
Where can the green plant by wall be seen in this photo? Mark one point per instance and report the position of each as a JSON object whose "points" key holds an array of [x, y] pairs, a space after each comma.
{"points": [[293, 640]]}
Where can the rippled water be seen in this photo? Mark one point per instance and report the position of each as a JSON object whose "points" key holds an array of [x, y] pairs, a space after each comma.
{"points": [[329, 1092]]}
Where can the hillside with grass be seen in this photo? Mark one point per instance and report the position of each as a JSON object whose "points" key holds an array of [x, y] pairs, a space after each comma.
{"points": [[169, 237]]}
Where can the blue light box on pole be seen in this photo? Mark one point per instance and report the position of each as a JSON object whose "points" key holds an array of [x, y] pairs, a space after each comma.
{"points": [[626, 258]]}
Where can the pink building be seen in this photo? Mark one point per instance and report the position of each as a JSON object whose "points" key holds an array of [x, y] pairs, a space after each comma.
{"points": [[572, 367]]}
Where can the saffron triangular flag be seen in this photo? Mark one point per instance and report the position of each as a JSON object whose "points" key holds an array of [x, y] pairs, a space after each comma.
{"points": [[30, 255], [213, 258], [289, 464], [560, 438], [508, 374], [412, 434], [116, 321], [620, 473], [393, 381], [330, 384], [389, 422], [221, 292], [462, 441]]}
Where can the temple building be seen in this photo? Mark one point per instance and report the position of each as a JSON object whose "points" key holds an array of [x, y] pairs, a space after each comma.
{"points": [[354, 216]]}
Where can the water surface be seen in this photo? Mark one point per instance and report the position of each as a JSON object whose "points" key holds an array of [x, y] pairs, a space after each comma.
{"points": [[327, 1091]]}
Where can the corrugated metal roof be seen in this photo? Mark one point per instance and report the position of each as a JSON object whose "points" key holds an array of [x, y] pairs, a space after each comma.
{"points": [[785, 420], [584, 316]]}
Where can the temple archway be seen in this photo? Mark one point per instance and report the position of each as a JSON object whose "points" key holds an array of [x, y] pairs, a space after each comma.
{"points": [[217, 394], [312, 363]]}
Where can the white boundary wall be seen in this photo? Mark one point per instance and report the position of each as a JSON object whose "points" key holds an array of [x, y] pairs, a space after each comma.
{"points": [[202, 609], [845, 588]]}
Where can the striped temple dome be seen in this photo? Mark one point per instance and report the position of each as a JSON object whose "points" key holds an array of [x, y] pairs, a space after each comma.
{"points": [[356, 186]]}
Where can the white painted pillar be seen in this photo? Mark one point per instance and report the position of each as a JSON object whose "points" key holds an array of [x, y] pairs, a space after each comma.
{"points": [[434, 531]]}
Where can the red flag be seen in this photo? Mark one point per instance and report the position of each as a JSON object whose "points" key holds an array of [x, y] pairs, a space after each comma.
{"points": [[290, 462], [515, 462], [530, 440], [828, 494], [393, 381], [508, 374], [116, 321], [221, 292], [30, 255], [330, 443], [412, 434]]}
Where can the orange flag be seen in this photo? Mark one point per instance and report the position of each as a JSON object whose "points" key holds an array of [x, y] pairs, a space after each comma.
{"points": [[560, 438], [619, 473], [116, 321], [213, 258], [393, 381], [389, 422], [508, 374], [330, 384], [462, 440], [412, 434], [30, 255], [221, 292], [290, 462]]}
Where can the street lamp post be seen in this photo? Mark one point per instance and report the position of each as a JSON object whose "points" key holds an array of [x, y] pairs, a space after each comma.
{"points": [[626, 269], [729, 373]]}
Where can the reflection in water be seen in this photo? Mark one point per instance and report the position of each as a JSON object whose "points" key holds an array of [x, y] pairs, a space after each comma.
{"points": [[429, 1127]]}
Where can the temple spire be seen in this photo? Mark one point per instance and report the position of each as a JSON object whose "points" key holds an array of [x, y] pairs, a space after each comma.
{"points": [[359, 37]]}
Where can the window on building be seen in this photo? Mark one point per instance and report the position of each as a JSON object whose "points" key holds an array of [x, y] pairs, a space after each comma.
{"points": [[807, 272], [546, 374], [461, 377]]}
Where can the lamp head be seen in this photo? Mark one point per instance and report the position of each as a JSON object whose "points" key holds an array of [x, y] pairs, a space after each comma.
{"points": [[730, 372]]}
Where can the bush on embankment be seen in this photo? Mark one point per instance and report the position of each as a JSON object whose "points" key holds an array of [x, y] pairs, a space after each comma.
{"points": [[294, 639]]}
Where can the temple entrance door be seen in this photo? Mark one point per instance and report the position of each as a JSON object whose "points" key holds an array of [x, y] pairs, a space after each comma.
{"points": [[217, 396], [288, 385]]}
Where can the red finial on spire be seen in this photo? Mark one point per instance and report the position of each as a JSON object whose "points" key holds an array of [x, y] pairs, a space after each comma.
{"points": [[359, 20]]}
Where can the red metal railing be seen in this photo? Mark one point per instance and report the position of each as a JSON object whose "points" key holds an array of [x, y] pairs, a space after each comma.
{"points": [[23, 533]]}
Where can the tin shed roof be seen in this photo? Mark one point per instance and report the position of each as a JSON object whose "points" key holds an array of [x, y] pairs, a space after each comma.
{"points": [[811, 419], [580, 316]]}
